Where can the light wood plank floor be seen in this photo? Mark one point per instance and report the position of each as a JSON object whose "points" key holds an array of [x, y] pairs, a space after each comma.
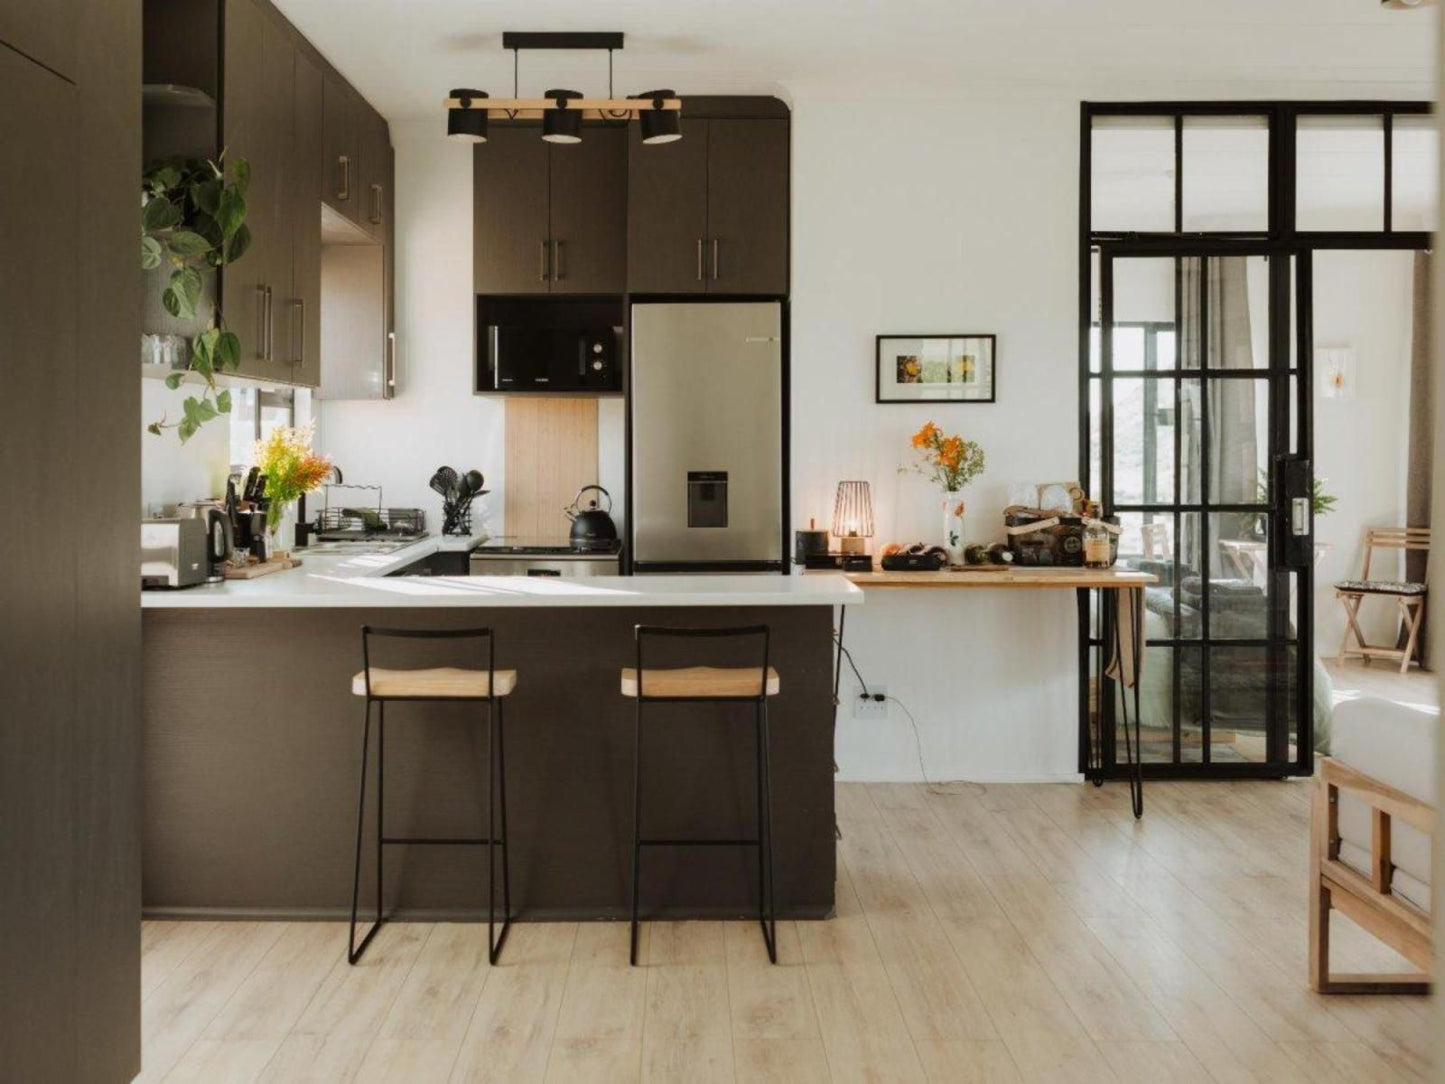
{"points": [[1002, 933]]}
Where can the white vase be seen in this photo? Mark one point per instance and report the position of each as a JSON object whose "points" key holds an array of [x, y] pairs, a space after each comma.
{"points": [[953, 526], [281, 538]]}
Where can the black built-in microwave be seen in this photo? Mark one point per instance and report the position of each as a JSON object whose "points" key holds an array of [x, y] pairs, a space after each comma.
{"points": [[521, 358]]}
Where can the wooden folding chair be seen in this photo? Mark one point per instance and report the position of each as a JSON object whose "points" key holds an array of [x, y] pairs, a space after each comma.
{"points": [[1369, 901], [1408, 596]]}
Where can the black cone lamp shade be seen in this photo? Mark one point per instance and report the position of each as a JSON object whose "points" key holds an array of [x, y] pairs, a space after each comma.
{"points": [[659, 125], [467, 125], [562, 125]]}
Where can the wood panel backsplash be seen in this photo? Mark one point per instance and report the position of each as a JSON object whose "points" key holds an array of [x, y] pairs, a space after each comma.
{"points": [[551, 453]]}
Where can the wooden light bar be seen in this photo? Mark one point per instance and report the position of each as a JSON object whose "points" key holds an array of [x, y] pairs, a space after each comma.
{"points": [[590, 108]]}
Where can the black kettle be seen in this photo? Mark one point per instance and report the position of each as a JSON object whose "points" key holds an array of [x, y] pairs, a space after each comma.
{"points": [[591, 525]]}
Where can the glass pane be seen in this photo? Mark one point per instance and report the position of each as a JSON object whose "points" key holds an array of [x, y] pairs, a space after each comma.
{"points": [[1144, 290], [1340, 173], [1238, 600], [1190, 678], [1238, 692], [243, 426], [1189, 591], [1238, 441], [1225, 312], [1095, 483], [1143, 441], [1156, 709], [1226, 173], [1132, 174], [1191, 474], [1415, 173], [1128, 353]]}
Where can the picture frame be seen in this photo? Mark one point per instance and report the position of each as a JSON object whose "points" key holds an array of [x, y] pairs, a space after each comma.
{"points": [[957, 368]]}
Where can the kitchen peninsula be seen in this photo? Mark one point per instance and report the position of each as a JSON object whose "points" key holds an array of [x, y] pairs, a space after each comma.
{"points": [[251, 778]]}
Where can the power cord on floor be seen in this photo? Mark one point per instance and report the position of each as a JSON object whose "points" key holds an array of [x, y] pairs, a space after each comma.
{"points": [[930, 785]]}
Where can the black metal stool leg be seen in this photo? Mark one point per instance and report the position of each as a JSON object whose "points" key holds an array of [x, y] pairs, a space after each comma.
{"points": [[765, 831], [636, 820], [353, 950], [496, 794]]}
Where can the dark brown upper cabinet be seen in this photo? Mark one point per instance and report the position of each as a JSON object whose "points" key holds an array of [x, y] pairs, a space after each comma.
{"points": [[667, 213], [747, 206], [257, 122], [43, 30], [374, 172], [709, 214], [550, 219], [341, 157], [304, 185]]}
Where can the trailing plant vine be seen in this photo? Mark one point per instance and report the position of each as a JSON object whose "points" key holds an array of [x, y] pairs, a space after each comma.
{"points": [[193, 218]]}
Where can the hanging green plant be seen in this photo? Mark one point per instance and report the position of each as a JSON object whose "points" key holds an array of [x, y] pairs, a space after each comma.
{"points": [[193, 218]]}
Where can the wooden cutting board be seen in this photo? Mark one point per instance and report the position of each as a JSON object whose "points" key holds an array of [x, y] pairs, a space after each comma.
{"points": [[264, 568]]}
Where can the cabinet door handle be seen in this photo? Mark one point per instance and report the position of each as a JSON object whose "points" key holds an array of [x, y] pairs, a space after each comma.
{"points": [[376, 204], [270, 324], [714, 259], [699, 259], [260, 322], [390, 363], [559, 270], [298, 305], [343, 188], [543, 262]]}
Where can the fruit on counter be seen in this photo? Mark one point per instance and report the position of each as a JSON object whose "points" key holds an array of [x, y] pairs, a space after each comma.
{"points": [[892, 548], [975, 553]]}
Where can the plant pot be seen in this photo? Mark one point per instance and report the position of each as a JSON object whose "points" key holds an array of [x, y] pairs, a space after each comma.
{"points": [[953, 526]]}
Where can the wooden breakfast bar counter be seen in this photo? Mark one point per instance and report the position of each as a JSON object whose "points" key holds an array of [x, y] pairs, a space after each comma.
{"points": [[253, 746]]}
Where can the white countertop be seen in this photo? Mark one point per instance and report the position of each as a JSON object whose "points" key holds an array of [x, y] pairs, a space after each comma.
{"points": [[336, 581]]}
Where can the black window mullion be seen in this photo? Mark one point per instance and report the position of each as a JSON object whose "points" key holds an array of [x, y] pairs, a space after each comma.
{"points": [[1178, 172], [1179, 495], [1107, 738], [1206, 706], [1388, 128]]}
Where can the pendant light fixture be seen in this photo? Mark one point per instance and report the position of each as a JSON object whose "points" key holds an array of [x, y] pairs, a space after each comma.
{"points": [[659, 125], [564, 123], [563, 111], [465, 124]]}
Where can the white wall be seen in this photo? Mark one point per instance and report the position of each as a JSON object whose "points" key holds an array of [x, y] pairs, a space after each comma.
{"points": [[172, 472], [1362, 300], [434, 418], [942, 216]]}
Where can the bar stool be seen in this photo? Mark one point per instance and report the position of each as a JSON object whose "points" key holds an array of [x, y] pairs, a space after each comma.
{"points": [[443, 684], [700, 685]]}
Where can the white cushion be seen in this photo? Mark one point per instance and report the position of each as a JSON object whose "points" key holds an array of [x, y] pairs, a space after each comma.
{"points": [[1395, 745]]}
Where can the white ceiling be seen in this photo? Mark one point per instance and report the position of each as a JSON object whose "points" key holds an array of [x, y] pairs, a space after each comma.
{"points": [[403, 55]]}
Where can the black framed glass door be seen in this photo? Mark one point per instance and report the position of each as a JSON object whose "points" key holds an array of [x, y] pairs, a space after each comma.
{"points": [[1198, 413]]}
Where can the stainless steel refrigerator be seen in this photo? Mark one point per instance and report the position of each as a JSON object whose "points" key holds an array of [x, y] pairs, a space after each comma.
{"points": [[707, 436]]}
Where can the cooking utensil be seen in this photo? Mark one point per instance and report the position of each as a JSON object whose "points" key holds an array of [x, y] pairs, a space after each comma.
{"points": [[591, 524], [475, 481], [250, 493]]}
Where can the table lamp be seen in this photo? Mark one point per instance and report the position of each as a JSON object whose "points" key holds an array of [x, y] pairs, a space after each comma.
{"points": [[853, 516]]}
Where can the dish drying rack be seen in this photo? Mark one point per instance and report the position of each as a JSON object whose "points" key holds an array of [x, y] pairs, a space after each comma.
{"points": [[360, 518]]}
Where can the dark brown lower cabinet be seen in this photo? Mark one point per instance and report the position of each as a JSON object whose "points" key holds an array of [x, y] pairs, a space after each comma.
{"points": [[70, 652]]}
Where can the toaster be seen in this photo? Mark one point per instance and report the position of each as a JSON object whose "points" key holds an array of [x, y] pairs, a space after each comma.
{"points": [[173, 553]]}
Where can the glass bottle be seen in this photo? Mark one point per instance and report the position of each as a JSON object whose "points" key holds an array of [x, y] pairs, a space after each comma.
{"points": [[1096, 545]]}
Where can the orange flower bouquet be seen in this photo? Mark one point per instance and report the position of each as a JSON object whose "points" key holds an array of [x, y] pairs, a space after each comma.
{"points": [[291, 469], [951, 462]]}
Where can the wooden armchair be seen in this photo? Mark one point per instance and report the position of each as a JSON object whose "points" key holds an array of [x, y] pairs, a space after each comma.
{"points": [[1409, 597], [1367, 900]]}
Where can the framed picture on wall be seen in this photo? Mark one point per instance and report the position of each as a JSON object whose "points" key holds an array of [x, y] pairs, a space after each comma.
{"points": [[936, 369]]}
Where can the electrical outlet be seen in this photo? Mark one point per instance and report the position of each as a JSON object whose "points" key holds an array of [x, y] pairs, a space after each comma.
{"points": [[864, 704]]}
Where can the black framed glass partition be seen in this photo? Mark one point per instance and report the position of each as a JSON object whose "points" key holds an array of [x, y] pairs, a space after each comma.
{"points": [[1198, 221]]}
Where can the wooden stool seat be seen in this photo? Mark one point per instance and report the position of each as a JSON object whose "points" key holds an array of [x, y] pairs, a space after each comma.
{"points": [[739, 682], [441, 683]]}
